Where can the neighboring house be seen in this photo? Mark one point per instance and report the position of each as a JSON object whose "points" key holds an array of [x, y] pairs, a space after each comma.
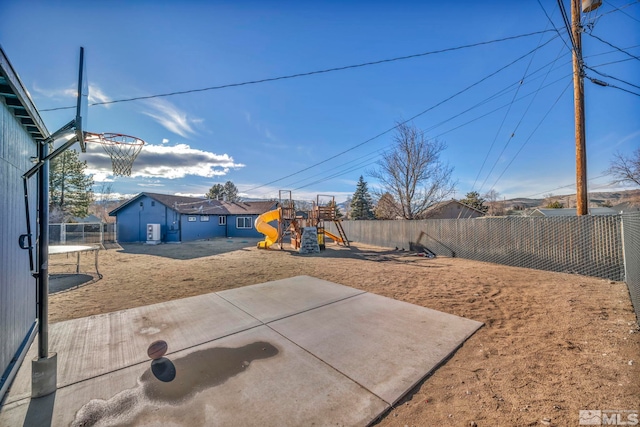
{"points": [[571, 212], [451, 209], [184, 219], [626, 207]]}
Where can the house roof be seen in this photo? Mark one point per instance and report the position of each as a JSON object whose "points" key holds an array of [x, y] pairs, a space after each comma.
{"points": [[18, 101], [441, 205], [199, 206], [625, 207], [572, 212], [248, 208]]}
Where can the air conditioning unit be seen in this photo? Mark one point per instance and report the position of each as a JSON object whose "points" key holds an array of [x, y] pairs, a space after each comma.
{"points": [[153, 234]]}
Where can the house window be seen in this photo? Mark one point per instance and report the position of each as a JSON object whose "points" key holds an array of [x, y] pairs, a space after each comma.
{"points": [[204, 218], [243, 222], [222, 220], [141, 204], [153, 203], [192, 219]]}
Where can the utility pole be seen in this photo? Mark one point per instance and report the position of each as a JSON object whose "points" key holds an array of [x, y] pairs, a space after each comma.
{"points": [[582, 202]]}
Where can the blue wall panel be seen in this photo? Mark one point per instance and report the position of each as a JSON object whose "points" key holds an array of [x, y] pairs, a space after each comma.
{"points": [[200, 228], [17, 286], [234, 231], [132, 220]]}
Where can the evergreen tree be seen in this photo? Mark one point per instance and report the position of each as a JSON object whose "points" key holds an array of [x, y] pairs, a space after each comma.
{"points": [[216, 192], [231, 192], [361, 203], [387, 208], [70, 190], [228, 192], [474, 200], [336, 210]]}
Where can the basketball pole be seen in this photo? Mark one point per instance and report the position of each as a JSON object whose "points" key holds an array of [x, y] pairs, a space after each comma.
{"points": [[43, 254], [44, 368]]}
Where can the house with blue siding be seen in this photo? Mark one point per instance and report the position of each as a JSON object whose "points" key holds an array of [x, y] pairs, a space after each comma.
{"points": [[184, 219]]}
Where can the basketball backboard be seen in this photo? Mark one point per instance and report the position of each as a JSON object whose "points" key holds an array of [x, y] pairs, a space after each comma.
{"points": [[82, 101]]}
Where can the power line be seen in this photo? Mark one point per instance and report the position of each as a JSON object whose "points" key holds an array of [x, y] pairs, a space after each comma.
{"points": [[490, 98], [560, 188], [605, 84], [567, 23], [501, 107], [611, 77], [494, 96], [367, 162], [613, 62], [531, 135], [512, 135], [615, 47], [310, 73], [553, 25], [619, 9], [405, 121]]}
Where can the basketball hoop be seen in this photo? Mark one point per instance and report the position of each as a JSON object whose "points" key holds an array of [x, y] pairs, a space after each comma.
{"points": [[123, 149]]}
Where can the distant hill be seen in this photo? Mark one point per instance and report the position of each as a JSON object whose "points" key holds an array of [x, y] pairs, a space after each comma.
{"points": [[596, 199]]}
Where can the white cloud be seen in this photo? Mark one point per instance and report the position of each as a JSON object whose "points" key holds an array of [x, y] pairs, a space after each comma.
{"points": [[69, 92], [165, 141], [170, 117], [95, 93], [162, 161], [189, 194], [99, 176]]}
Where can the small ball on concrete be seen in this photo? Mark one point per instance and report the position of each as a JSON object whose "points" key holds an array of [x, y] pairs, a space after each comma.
{"points": [[157, 349]]}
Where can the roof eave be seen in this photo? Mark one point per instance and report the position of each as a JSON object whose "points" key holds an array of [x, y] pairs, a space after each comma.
{"points": [[17, 98]]}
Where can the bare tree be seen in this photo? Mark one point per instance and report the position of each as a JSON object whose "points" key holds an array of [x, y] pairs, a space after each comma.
{"points": [[413, 172], [625, 170], [104, 202], [493, 200]]}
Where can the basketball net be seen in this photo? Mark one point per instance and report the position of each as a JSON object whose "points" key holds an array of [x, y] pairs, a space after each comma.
{"points": [[122, 149]]}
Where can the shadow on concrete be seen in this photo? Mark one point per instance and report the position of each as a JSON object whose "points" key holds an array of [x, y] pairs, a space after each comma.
{"points": [[40, 412], [65, 282], [190, 250]]}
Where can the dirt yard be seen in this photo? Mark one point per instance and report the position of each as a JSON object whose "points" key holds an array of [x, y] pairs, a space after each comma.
{"points": [[552, 343]]}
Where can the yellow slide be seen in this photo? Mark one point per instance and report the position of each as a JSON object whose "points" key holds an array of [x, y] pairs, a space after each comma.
{"points": [[262, 225], [333, 237]]}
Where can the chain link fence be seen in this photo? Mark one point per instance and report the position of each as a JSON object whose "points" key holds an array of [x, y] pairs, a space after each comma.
{"points": [[81, 233], [588, 245], [599, 246], [631, 239]]}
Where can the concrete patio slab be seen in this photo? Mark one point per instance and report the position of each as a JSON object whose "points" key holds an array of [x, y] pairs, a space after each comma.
{"points": [[255, 377], [92, 346], [281, 298], [387, 346], [299, 351]]}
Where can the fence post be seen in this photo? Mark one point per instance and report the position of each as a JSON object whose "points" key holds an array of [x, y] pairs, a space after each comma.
{"points": [[624, 252], [63, 233]]}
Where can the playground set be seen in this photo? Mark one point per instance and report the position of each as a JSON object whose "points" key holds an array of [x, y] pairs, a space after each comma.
{"points": [[293, 224]]}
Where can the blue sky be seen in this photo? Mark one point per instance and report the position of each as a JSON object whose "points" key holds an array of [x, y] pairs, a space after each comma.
{"points": [[254, 135]]}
